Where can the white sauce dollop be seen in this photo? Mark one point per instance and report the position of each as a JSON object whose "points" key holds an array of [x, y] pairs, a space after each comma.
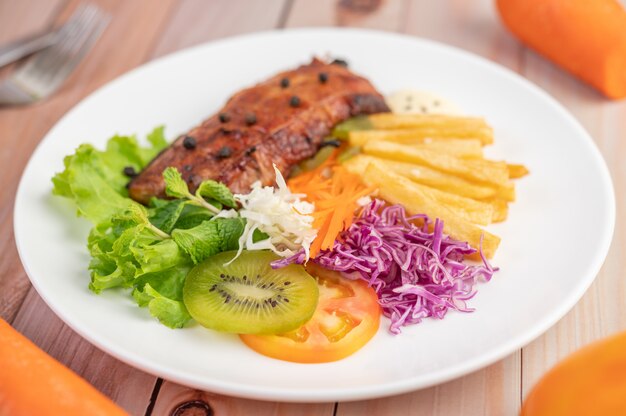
{"points": [[409, 101]]}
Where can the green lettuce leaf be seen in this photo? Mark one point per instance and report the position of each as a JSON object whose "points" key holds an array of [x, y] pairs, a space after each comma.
{"points": [[162, 292], [91, 185], [169, 312], [95, 180], [159, 256], [149, 250]]}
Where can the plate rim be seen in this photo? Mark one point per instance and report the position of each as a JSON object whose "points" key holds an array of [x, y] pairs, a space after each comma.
{"points": [[346, 393]]}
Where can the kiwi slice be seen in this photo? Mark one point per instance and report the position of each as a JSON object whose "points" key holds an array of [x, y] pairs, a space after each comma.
{"points": [[248, 296]]}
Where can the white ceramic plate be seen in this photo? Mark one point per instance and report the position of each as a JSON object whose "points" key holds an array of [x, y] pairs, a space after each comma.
{"points": [[553, 243]]}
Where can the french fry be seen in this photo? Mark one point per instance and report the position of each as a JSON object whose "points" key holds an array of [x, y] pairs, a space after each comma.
{"points": [[478, 212], [435, 125], [517, 171], [471, 210], [397, 189], [500, 209], [408, 136], [506, 191], [479, 170], [455, 147], [426, 176], [395, 120]]}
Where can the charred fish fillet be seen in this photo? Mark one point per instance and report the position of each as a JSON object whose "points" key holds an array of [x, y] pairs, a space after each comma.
{"points": [[281, 121]]}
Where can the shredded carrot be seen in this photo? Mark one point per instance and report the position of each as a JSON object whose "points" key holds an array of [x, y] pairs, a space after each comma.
{"points": [[335, 193]]}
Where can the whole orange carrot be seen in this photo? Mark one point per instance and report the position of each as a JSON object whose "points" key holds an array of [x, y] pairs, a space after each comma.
{"points": [[33, 383], [586, 37]]}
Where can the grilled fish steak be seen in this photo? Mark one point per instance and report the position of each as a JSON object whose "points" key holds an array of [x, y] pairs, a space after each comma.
{"points": [[281, 121]]}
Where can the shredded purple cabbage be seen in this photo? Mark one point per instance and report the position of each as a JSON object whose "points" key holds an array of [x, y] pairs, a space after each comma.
{"points": [[416, 273]]}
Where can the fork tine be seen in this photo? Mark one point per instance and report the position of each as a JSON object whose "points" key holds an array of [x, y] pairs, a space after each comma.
{"points": [[43, 66], [47, 70], [66, 33]]}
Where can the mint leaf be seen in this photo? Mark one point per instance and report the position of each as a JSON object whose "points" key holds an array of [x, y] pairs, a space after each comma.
{"points": [[175, 186], [209, 238], [165, 214], [229, 230], [217, 191], [192, 216]]}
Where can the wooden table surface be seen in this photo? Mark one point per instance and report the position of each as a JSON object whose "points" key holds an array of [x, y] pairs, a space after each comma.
{"points": [[142, 30]]}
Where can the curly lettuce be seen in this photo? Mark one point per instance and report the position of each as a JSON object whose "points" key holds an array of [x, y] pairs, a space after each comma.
{"points": [[148, 250]]}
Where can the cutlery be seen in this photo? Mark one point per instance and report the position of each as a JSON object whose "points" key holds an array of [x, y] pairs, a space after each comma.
{"points": [[45, 71], [20, 48]]}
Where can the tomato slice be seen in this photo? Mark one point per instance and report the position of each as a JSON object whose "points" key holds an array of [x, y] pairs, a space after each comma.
{"points": [[346, 318]]}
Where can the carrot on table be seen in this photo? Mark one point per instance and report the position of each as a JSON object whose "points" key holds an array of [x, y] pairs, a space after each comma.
{"points": [[586, 37], [33, 383]]}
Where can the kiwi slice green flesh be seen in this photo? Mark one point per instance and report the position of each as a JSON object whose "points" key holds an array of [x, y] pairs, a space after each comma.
{"points": [[248, 296]]}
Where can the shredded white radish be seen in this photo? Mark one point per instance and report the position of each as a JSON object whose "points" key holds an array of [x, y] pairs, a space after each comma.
{"points": [[280, 214]]}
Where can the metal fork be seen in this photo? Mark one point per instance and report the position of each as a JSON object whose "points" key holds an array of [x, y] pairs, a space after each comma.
{"points": [[44, 72]]}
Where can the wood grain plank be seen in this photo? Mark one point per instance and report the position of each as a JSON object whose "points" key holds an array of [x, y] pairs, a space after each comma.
{"points": [[469, 25], [174, 396], [13, 282], [126, 43], [492, 391], [197, 21], [130, 41], [601, 311], [372, 14], [18, 19]]}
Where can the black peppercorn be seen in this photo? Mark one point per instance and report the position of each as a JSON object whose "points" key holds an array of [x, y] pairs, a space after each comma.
{"points": [[294, 101], [224, 152], [187, 168], [250, 119], [189, 142], [323, 77], [341, 62], [331, 142], [224, 117], [284, 83], [130, 171], [250, 150]]}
